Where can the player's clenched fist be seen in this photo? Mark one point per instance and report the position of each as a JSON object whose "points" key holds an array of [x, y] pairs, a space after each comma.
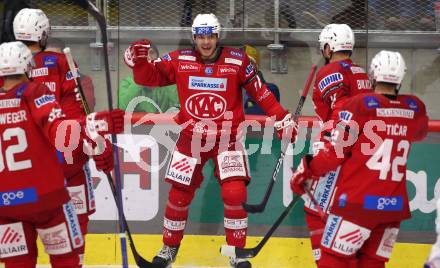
{"points": [[301, 176], [137, 51], [104, 160]]}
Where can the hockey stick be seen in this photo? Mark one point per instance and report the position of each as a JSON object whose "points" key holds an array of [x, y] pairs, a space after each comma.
{"points": [[141, 262], [117, 192], [76, 78], [258, 208], [321, 213], [236, 252]]}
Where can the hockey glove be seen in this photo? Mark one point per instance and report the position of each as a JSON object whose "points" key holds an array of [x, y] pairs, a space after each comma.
{"points": [[302, 176], [287, 128], [104, 161], [102, 123], [137, 51]]}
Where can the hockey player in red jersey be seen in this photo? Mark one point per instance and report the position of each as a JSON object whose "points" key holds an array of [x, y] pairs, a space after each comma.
{"points": [[51, 69], [336, 82], [34, 200], [209, 78], [371, 143]]}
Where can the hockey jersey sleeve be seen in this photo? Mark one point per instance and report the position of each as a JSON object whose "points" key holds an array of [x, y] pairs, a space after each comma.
{"points": [[70, 97], [157, 73], [258, 90], [343, 137]]}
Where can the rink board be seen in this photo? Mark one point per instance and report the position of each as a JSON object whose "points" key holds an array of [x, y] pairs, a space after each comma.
{"points": [[203, 251]]}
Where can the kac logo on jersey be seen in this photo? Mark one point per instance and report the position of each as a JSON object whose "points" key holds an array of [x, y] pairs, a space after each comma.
{"points": [[371, 102], [206, 106], [50, 61], [384, 203], [23, 196], [209, 70], [329, 80], [45, 99], [207, 83], [237, 54]]}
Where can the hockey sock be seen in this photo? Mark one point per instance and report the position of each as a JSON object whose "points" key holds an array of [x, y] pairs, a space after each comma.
{"points": [[234, 194], [366, 261], [22, 263], [176, 213], [330, 261]]}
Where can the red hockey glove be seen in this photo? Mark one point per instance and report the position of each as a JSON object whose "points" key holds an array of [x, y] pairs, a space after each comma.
{"points": [[102, 123], [287, 128], [301, 176], [137, 51], [104, 161]]}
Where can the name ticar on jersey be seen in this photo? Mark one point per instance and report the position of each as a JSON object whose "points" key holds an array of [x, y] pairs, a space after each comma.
{"points": [[9, 103], [364, 84]]}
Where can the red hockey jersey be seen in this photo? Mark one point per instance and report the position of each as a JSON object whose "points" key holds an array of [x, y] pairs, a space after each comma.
{"points": [[372, 179], [31, 179], [335, 83], [209, 91], [52, 70]]}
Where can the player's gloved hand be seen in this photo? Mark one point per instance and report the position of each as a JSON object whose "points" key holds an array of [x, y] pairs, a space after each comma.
{"points": [[104, 161], [102, 123], [302, 176], [137, 51], [287, 128]]}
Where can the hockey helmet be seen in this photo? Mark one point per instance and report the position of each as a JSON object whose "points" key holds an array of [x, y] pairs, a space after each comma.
{"points": [[30, 25], [205, 24], [15, 58], [339, 37], [388, 66]]}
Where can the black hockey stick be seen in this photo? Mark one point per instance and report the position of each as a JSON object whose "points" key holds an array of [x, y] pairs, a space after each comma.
{"points": [[258, 208], [141, 262], [236, 252]]}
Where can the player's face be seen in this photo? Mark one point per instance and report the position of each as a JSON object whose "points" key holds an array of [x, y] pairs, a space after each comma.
{"points": [[206, 44]]}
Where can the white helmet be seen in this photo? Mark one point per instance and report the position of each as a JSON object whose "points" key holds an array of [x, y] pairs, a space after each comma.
{"points": [[338, 36], [30, 24], [205, 24], [388, 66], [15, 58]]}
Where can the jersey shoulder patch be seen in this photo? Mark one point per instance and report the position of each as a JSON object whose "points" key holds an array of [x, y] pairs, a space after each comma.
{"points": [[370, 101], [344, 65]]}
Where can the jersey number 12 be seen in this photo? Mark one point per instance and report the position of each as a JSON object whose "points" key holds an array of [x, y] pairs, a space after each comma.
{"points": [[20, 147]]}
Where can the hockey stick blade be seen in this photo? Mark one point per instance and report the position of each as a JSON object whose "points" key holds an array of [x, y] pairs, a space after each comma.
{"points": [[258, 208], [246, 253]]}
